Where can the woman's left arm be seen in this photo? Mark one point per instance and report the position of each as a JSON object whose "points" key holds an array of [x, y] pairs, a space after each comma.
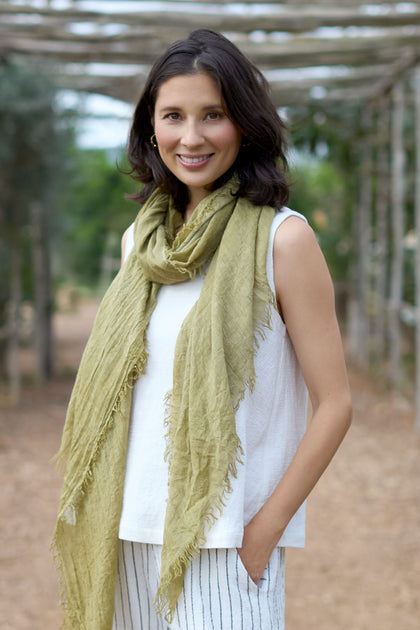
{"points": [[305, 298]]}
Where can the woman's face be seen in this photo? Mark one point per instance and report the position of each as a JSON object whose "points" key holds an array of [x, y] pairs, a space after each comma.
{"points": [[197, 140]]}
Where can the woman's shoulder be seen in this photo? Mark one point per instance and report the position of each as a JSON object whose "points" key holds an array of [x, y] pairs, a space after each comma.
{"points": [[292, 233], [285, 213]]}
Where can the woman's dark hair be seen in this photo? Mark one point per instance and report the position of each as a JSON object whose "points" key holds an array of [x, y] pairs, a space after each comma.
{"points": [[261, 163]]}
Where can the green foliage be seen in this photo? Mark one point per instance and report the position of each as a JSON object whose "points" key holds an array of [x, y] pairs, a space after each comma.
{"points": [[32, 140], [33, 151], [94, 209], [81, 192], [327, 131], [326, 176], [318, 192], [32, 160]]}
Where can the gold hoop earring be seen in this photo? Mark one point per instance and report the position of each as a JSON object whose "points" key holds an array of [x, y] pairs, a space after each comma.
{"points": [[153, 141]]}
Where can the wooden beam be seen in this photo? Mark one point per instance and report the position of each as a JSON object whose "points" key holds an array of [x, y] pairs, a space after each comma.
{"points": [[297, 3], [296, 52], [354, 77], [128, 89], [291, 6], [362, 77], [281, 18], [384, 85]]}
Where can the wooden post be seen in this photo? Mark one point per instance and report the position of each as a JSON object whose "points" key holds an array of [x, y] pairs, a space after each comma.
{"points": [[109, 264], [15, 378], [42, 292], [398, 159], [353, 305], [364, 239], [417, 214], [381, 233]]}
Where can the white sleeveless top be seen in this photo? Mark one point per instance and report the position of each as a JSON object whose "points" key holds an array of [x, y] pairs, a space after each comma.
{"points": [[270, 423]]}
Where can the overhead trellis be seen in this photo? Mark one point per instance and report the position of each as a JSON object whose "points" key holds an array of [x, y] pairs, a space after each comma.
{"points": [[361, 43], [362, 57]]}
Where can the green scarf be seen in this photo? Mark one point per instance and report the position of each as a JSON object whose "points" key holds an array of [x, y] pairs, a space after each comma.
{"points": [[213, 366]]}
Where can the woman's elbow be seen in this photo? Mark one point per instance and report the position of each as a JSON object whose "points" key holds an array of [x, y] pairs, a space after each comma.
{"points": [[344, 411], [348, 411], [336, 409]]}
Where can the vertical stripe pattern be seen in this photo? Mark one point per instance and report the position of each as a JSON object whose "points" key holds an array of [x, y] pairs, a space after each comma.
{"points": [[218, 593]]}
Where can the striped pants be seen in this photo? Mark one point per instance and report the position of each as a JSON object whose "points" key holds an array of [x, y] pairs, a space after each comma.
{"points": [[218, 593]]}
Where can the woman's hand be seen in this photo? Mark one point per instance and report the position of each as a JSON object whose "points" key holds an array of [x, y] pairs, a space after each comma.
{"points": [[258, 543]]}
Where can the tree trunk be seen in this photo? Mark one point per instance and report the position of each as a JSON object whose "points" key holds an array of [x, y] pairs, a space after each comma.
{"points": [[417, 266], [15, 380], [4, 322], [42, 290], [397, 233], [364, 242], [381, 240], [109, 264]]}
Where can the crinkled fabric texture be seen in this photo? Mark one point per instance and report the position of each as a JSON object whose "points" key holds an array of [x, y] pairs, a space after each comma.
{"points": [[213, 367]]}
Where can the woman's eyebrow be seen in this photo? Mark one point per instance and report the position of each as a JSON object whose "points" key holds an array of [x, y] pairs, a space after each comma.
{"points": [[168, 108]]}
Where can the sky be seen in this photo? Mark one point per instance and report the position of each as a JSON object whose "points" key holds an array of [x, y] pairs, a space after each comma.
{"points": [[104, 122]]}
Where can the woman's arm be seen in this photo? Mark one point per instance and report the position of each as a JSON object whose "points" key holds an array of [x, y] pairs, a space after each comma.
{"points": [[305, 297]]}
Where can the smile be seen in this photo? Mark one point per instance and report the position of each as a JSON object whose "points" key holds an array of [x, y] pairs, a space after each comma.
{"points": [[198, 160]]}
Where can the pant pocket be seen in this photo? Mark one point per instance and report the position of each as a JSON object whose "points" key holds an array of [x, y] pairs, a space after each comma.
{"points": [[244, 578]]}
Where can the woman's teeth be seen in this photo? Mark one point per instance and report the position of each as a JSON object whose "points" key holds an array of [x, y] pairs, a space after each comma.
{"points": [[194, 160]]}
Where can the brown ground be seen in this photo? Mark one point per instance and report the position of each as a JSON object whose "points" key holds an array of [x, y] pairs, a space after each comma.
{"points": [[361, 567]]}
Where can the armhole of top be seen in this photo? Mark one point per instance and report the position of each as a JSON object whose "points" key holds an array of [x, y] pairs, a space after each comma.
{"points": [[279, 217], [129, 243]]}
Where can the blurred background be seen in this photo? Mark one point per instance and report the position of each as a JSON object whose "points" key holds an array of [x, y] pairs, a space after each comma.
{"points": [[346, 78]]}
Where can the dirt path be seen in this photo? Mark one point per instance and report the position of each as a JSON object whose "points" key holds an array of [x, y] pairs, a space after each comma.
{"points": [[359, 571]]}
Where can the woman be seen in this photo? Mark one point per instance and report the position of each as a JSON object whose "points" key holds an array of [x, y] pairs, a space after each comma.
{"points": [[222, 311]]}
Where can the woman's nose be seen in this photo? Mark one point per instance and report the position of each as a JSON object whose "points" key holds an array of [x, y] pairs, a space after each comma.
{"points": [[192, 135]]}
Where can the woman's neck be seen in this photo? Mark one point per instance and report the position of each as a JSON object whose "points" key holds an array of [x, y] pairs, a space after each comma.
{"points": [[188, 213], [195, 196]]}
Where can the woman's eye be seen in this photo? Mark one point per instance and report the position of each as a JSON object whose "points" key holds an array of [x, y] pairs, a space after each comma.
{"points": [[213, 115], [173, 116]]}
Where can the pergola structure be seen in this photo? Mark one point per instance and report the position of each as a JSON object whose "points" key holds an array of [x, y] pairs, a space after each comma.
{"points": [[359, 56], [335, 51]]}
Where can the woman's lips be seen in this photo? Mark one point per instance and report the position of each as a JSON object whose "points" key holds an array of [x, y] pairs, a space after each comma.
{"points": [[194, 161]]}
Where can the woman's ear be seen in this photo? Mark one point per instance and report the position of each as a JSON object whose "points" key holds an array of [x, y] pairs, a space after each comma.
{"points": [[151, 116]]}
